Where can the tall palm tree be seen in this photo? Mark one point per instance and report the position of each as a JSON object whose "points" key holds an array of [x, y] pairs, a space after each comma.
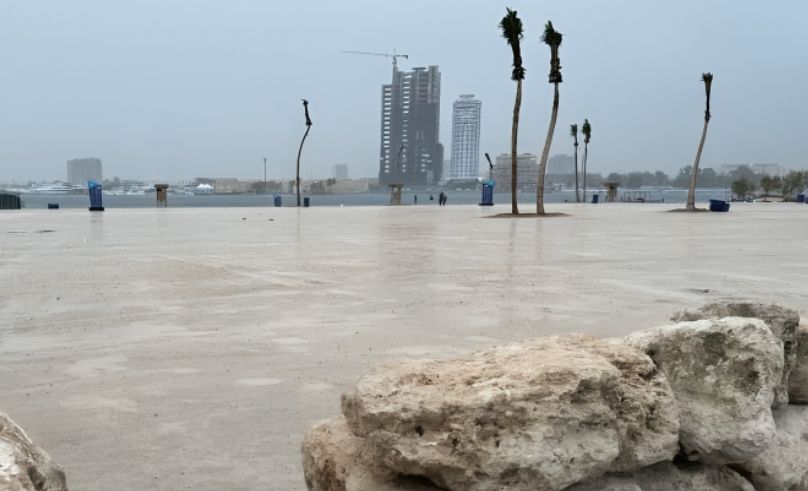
{"points": [[551, 38], [586, 129], [300, 150], [707, 78], [512, 31], [574, 134]]}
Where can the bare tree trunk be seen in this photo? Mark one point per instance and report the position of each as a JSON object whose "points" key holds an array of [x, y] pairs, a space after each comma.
{"points": [[577, 192], [299, 152], [514, 133], [544, 154], [586, 149], [691, 194]]}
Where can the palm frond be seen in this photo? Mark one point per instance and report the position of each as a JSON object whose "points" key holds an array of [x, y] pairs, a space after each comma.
{"points": [[574, 130], [513, 32], [551, 37], [586, 129]]}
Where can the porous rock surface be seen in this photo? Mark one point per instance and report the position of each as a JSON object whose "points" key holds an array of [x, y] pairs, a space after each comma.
{"points": [[724, 373], [782, 322], [798, 381], [334, 459], [666, 476], [543, 414], [23, 465], [784, 465]]}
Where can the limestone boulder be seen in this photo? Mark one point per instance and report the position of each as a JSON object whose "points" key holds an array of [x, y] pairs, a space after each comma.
{"points": [[784, 465], [542, 414], [782, 322], [23, 465], [336, 460], [724, 373], [669, 477], [798, 381]]}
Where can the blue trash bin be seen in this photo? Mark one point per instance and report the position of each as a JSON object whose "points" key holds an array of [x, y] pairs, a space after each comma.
{"points": [[278, 201], [595, 198], [95, 196], [719, 205], [306, 202], [800, 198]]}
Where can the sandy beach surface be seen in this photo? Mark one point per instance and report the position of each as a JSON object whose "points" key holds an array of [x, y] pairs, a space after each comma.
{"points": [[170, 349]]}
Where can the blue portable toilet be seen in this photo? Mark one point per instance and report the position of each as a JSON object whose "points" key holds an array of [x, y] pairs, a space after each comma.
{"points": [[488, 193], [800, 198], [95, 196]]}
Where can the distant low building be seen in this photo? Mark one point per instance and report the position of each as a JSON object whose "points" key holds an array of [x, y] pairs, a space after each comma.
{"points": [[527, 173], [340, 172], [79, 171]]}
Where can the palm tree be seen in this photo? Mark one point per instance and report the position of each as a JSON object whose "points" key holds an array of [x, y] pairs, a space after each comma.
{"points": [[511, 26], [586, 129], [707, 78], [551, 38], [300, 150], [574, 134]]}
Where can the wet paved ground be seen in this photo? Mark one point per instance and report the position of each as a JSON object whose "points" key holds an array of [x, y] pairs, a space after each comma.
{"points": [[190, 348]]}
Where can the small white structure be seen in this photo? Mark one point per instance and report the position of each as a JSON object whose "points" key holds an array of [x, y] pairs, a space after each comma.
{"points": [[203, 189]]}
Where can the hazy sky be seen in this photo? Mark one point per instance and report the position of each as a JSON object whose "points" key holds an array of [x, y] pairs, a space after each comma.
{"points": [[171, 89]]}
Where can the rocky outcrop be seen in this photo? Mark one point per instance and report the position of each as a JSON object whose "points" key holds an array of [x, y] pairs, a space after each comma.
{"points": [[687, 406], [798, 381], [782, 322], [23, 465], [669, 477], [537, 415], [784, 465], [724, 373]]}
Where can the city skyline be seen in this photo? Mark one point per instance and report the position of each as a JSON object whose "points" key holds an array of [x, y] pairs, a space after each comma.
{"points": [[190, 100]]}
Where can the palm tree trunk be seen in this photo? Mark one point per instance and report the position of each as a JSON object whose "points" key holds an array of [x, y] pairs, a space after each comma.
{"points": [[299, 152], [577, 193], [691, 194], [586, 149], [544, 155], [514, 133]]}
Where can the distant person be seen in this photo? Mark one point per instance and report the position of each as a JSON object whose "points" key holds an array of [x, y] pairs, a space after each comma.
{"points": [[441, 198], [415, 199]]}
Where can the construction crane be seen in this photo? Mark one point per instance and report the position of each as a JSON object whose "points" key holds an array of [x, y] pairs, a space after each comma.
{"points": [[392, 55]]}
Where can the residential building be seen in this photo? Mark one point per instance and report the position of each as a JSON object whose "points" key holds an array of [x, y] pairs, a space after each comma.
{"points": [[527, 171], [79, 171], [466, 138], [411, 153], [340, 172]]}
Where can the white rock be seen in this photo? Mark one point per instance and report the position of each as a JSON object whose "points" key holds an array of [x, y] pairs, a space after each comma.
{"points": [[336, 460], [723, 373], [782, 322], [784, 465], [542, 414], [23, 465], [669, 477]]}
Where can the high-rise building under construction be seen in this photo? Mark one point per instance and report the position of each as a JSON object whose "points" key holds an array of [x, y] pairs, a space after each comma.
{"points": [[411, 152]]}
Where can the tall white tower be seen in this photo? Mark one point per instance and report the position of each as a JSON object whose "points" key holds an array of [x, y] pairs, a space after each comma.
{"points": [[466, 138]]}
